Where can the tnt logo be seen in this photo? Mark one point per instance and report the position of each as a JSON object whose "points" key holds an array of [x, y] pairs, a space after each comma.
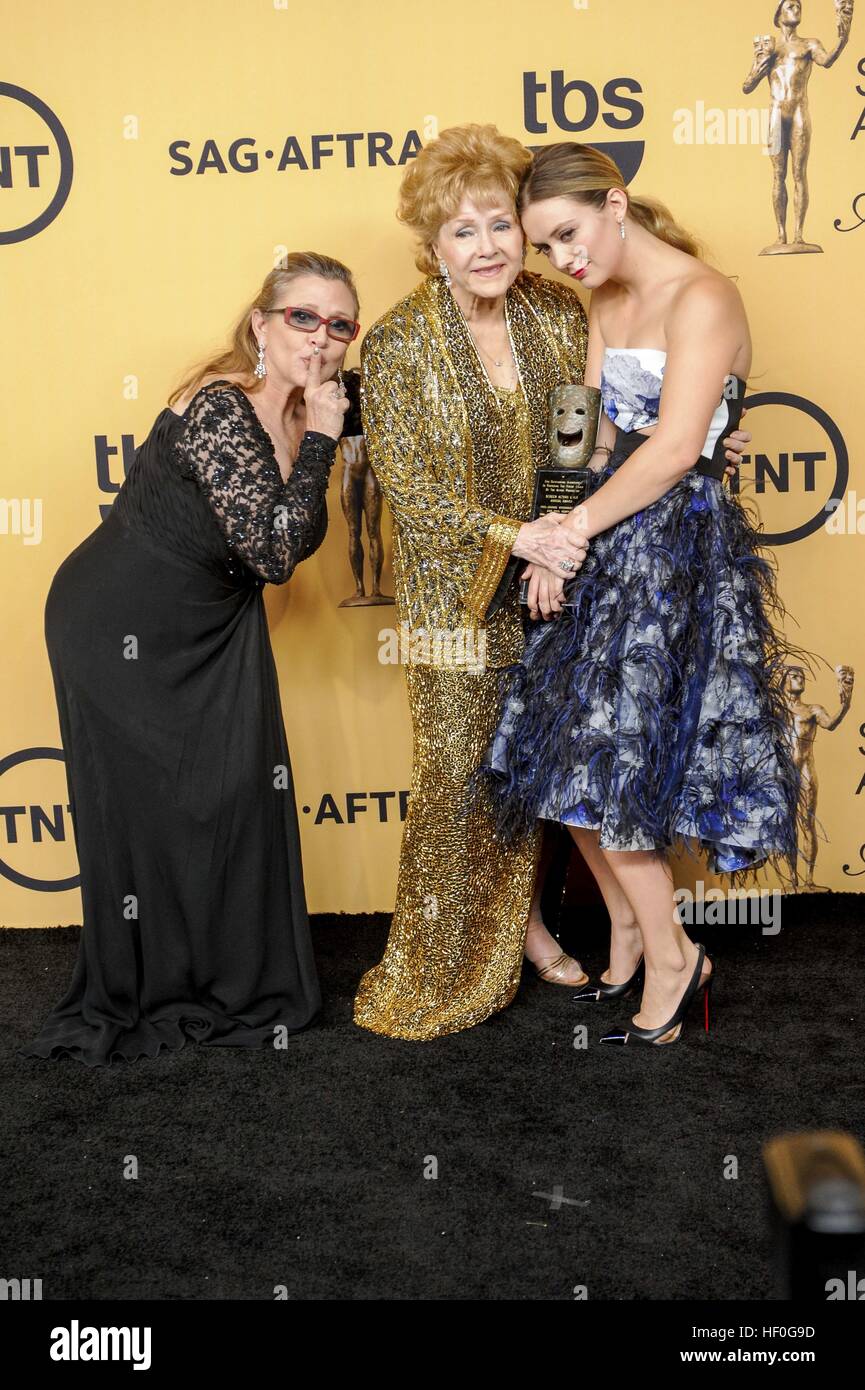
{"points": [[37, 838], [798, 465], [35, 164]]}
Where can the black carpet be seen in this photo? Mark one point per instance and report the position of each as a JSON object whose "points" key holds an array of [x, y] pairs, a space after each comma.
{"points": [[305, 1168]]}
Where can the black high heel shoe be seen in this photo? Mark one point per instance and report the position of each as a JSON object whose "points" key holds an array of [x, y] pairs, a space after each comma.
{"points": [[652, 1036], [603, 990]]}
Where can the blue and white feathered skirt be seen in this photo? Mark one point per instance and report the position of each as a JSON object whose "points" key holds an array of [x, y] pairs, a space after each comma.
{"points": [[651, 708]]}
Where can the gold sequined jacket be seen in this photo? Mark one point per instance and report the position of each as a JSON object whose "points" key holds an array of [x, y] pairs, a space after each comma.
{"points": [[455, 456]]}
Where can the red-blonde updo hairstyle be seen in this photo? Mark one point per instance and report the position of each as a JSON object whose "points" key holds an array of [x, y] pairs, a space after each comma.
{"points": [[465, 160]]}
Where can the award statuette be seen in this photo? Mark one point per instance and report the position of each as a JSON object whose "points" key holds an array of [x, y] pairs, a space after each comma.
{"points": [[574, 413], [787, 63]]}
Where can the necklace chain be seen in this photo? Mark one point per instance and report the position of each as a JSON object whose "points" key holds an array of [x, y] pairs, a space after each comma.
{"points": [[496, 362]]}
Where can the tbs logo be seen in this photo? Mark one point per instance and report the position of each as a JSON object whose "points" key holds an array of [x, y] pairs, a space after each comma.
{"points": [[575, 106]]}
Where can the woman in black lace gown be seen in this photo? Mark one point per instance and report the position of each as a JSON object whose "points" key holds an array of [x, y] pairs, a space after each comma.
{"points": [[195, 919]]}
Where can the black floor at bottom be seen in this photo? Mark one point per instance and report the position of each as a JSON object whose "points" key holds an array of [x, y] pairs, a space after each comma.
{"points": [[557, 1167]]}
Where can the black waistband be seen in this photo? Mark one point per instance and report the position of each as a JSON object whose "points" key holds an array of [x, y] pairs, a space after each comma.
{"points": [[627, 443]]}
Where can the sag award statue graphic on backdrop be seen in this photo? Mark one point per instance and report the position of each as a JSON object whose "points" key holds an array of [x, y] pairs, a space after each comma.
{"points": [[786, 63], [360, 497], [573, 413], [805, 721]]}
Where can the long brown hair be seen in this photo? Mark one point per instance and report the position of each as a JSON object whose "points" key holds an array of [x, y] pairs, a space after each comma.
{"points": [[241, 354], [569, 170]]}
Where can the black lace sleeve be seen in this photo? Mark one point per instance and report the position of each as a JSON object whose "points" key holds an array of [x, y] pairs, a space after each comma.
{"points": [[270, 524]]}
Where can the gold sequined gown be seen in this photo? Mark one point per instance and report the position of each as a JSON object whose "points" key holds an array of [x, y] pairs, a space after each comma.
{"points": [[455, 457]]}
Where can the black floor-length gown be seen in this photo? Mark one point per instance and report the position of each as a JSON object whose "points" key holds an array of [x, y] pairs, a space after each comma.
{"points": [[195, 918]]}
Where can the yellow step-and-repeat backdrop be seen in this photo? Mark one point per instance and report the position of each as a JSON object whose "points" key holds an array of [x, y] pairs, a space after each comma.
{"points": [[155, 162]]}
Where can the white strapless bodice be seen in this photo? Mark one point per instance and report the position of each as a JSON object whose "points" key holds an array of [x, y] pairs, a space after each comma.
{"points": [[631, 382]]}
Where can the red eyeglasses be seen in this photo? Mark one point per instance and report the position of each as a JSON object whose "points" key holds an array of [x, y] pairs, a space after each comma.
{"points": [[344, 330]]}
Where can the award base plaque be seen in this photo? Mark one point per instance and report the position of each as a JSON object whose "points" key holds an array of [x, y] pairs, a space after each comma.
{"points": [[557, 490]]}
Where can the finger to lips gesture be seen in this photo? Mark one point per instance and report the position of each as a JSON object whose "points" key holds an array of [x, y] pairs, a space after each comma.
{"points": [[326, 402]]}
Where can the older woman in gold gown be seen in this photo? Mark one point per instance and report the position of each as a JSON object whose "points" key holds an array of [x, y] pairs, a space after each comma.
{"points": [[455, 379]]}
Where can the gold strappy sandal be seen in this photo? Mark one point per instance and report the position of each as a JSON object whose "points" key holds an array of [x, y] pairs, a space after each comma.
{"points": [[553, 971]]}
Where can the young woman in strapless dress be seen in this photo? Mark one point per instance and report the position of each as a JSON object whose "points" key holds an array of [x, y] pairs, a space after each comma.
{"points": [[649, 713]]}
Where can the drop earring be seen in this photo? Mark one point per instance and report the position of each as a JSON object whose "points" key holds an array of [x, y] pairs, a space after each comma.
{"points": [[622, 229], [444, 272], [260, 369]]}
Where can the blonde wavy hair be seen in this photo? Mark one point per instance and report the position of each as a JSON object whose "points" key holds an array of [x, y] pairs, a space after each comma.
{"points": [[241, 354], [569, 170], [465, 160]]}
